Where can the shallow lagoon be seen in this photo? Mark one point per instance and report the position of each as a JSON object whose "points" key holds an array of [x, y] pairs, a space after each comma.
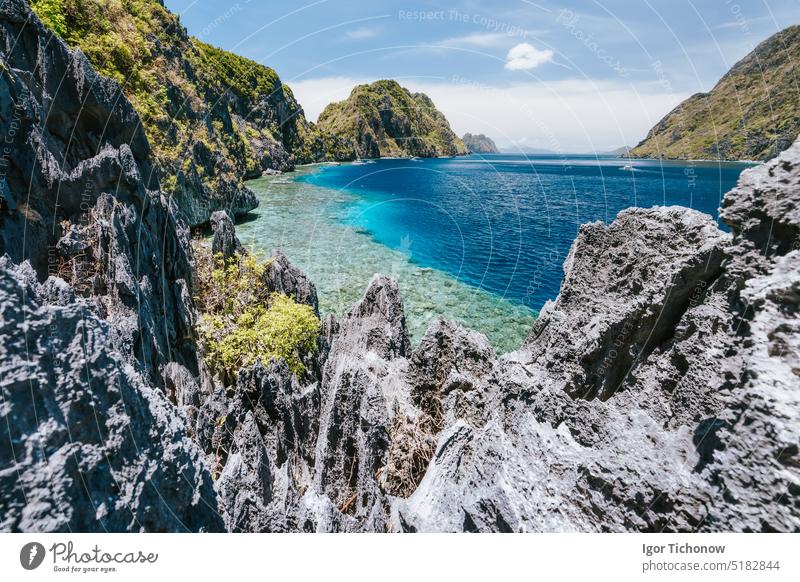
{"points": [[478, 239]]}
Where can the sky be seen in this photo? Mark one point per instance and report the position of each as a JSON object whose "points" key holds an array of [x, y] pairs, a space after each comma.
{"points": [[568, 76]]}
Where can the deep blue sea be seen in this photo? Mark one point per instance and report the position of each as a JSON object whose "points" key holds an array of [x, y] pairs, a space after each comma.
{"points": [[496, 228]]}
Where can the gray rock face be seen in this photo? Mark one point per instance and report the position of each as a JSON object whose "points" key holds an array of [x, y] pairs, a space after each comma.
{"points": [[446, 368], [763, 208], [358, 406], [93, 443], [625, 288], [90, 445], [754, 464], [657, 393], [225, 240], [79, 198], [268, 450], [283, 277], [377, 323]]}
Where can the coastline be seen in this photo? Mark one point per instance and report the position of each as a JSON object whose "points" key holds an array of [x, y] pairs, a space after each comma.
{"points": [[693, 160]]}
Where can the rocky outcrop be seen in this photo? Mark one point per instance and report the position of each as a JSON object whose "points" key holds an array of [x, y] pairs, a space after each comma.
{"points": [[79, 196], [479, 144], [755, 438], [651, 263], [264, 447], [764, 209], [283, 277], [383, 119], [357, 408], [89, 445], [225, 241], [95, 298]]}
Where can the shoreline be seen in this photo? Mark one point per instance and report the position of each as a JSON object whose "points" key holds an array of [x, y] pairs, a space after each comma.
{"points": [[692, 160]]}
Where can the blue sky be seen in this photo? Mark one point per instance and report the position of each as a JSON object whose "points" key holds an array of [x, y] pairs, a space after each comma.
{"points": [[566, 76]]}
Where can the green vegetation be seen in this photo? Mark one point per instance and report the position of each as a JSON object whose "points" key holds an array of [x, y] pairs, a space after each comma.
{"points": [[242, 323], [51, 12], [229, 71], [119, 37], [753, 113], [384, 119], [212, 118]]}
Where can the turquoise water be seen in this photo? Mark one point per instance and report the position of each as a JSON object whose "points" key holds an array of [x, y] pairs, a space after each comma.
{"points": [[478, 239]]}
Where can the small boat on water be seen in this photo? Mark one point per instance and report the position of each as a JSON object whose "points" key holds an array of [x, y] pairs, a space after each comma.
{"points": [[627, 167]]}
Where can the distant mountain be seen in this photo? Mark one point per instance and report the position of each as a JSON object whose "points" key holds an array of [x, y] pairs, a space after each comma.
{"points": [[479, 144], [384, 119], [753, 113]]}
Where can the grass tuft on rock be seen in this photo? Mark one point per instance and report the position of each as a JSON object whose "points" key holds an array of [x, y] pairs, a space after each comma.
{"points": [[413, 444]]}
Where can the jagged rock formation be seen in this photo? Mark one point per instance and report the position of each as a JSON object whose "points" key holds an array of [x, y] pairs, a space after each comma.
{"points": [[305, 458], [224, 241], [88, 445], [659, 392], [284, 277], [751, 113], [79, 199], [383, 119], [96, 316], [653, 262], [212, 118], [479, 144]]}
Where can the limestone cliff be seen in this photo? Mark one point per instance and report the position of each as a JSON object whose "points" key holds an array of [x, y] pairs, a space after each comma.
{"points": [[213, 119], [96, 319], [479, 144], [383, 119], [658, 392]]}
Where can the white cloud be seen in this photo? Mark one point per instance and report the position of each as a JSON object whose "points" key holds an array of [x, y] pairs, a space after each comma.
{"points": [[526, 56], [361, 33], [567, 116]]}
